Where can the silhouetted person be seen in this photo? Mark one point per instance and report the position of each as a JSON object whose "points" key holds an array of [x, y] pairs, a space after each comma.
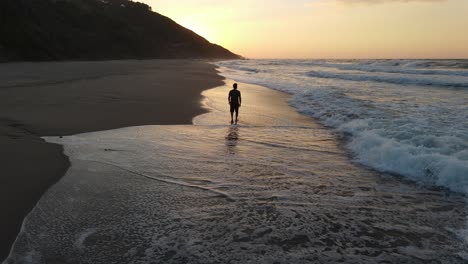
{"points": [[234, 100]]}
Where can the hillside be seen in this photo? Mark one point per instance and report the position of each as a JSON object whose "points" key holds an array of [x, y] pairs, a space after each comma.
{"points": [[40, 30]]}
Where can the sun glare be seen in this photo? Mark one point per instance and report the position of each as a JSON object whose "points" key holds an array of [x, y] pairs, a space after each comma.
{"points": [[327, 28], [198, 29]]}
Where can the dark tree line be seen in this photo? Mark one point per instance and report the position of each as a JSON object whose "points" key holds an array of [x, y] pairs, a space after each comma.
{"points": [[95, 30]]}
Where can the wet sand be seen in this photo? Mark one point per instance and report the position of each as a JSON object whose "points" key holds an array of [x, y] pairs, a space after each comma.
{"points": [[64, 98], [275, 189]]}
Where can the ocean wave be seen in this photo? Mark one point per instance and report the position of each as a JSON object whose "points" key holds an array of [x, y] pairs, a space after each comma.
{"points": [[402, 70], [403, 146], [418, 163], [401, 79], [250, 70], [404, 129], [422, 64], [453, 64]]}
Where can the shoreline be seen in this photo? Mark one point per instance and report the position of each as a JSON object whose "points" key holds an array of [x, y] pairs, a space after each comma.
{"points": [[242, 171], [65, 98]]}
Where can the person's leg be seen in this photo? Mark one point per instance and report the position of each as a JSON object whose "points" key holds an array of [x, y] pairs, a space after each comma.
{"points": [[237, 113], [232, 112]]}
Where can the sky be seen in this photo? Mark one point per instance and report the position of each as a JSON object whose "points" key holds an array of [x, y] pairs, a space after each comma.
{"points": [[327, 28]]}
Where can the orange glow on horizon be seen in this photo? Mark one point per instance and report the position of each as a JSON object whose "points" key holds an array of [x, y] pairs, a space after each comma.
{"points": [[327, 28]]}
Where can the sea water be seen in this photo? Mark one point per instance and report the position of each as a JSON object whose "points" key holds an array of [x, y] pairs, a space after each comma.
{"points": [[277, 188], [407, 117]]}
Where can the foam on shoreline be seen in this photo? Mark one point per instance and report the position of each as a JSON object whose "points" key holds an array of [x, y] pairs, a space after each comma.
{"points": [[399, 117], [291, 195]]}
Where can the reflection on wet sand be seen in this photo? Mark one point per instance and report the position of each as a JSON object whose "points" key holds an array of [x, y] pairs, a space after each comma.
{"points": [[275, 189], [232, 138]]}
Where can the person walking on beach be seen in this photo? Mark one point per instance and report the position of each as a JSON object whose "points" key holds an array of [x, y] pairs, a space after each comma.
{"points": [[234, 100]]}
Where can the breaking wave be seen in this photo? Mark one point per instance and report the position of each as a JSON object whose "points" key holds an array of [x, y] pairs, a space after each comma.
{"points": [[396, 116]]}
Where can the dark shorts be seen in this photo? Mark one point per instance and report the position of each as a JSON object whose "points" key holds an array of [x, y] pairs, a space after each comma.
{"points": [[234, 107]]}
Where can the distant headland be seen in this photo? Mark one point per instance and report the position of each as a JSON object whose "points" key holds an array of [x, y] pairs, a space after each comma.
{"points": [[48, 30]]}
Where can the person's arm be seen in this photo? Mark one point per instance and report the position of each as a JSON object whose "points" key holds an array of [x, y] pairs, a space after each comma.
{"points": [[229, 98], [240, 99]]}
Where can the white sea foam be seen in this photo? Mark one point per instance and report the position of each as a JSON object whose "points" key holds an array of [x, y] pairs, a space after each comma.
{"points": [[391, 66], [431, 80], [80, 241], [277, 188], [152, 194], [397, 116]]}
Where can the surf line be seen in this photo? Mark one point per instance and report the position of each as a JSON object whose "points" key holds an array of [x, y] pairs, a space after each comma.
{"points": [[219, 193]]}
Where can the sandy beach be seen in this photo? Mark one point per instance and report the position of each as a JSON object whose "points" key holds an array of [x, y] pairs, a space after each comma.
{"points": [[64, 98], [118, 144], [157, 174], [275, 188]]}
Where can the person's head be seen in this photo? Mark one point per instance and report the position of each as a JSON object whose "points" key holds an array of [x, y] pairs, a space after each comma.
{"points": [[234, 86]]}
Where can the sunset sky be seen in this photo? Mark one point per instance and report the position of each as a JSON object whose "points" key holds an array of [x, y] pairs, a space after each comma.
{"points": [[327, 28]]}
